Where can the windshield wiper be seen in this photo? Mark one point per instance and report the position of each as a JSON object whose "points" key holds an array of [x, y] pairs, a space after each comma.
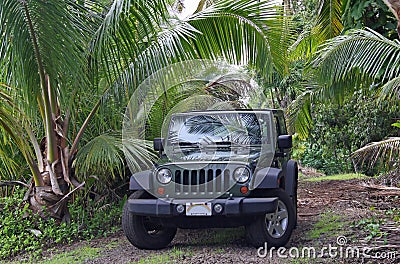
{"points": [[188, 144], [183, 145]]}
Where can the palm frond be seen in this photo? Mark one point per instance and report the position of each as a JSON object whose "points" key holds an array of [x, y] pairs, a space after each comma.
{"points": [[390, 90], [361, 58], [327, 25], [359, 55], [299, 114], [14, 132], [387, 151], [244, 32], [329, 22], [61, 31], [101, 156], [11, 165], [138, 153], [128, 28], [241, 32]]}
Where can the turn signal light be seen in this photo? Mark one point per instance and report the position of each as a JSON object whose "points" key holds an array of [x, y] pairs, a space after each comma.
{"points": [[161, 190], [244, 189]]}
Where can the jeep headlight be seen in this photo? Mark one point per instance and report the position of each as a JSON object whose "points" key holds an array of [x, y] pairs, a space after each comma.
{"points": [[164, 176], [241, 175]]}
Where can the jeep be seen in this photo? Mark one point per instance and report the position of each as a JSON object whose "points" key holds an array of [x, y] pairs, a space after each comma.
{"points": [[216, 169]]}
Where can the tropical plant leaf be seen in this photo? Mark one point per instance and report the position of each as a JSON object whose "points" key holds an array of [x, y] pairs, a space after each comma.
{"points": [[138, 154], [397, 124], [59, 28], [13, 128], [299, 114], [344, 64], [243, 32], [386, 151], [359, 55], [327, 25], [390, 90], [102, 156], [329, 22]]}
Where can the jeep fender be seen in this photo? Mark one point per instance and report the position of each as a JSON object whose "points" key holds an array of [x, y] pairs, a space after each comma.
{"points": [[292, 174], [140, 181], [268, 178]]}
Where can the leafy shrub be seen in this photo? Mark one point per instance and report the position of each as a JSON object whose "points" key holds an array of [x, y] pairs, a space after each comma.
{"points": [[339, 130], [24, 232]]}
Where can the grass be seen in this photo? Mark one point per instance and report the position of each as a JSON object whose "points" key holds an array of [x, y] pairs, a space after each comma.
{"points": [[329, 223], [337, 177], [171, 256], [75, 256], [112, 245]]}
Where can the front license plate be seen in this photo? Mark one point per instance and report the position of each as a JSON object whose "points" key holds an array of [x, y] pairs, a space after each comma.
{"points": [[198, 209]]}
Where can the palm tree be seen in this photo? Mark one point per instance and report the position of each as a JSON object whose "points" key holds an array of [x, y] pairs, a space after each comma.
{"points": [[349, 62], [369, 59], [326, 25], [62, 58]]}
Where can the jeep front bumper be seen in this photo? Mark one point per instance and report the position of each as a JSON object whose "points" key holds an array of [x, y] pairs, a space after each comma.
{"points": [[240, 206]]}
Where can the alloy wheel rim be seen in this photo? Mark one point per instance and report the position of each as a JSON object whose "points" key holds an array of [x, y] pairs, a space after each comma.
{"points": [[277, 223]]}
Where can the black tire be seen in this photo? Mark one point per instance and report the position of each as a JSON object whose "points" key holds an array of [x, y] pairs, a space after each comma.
{"points": [[277, 235], [295, 206], [142, 233]]}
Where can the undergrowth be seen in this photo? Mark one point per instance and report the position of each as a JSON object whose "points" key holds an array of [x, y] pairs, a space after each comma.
{"points": [[24, 232]]}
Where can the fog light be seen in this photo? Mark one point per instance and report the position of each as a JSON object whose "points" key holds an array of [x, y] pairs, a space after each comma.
{"points": [[180, 208], [218, 208], [244, 189]]}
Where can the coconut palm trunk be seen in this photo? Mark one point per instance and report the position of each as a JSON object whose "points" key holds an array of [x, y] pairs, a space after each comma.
{"points": [[32, 33], [51, 184]]}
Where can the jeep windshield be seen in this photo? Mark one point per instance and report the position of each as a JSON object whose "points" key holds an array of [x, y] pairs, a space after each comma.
{"points": [[219, 135]]}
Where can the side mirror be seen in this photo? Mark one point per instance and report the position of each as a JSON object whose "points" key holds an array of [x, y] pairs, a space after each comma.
{"points": [[158, 144], [285, 142]]}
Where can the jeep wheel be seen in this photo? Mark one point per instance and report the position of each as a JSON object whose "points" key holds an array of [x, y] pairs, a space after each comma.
{"points": [[141, 232], [275, 228]]}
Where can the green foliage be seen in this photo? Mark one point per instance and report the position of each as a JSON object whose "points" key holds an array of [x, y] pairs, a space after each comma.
{"points": [[372, 226], [328, 224], [23, 232], [101, 156], [339, 130], [396, 124], [373, 14], [12, 162], [337, 177], [174, 256], [76, 256], [323, 25], [321, 158], [304, 11], [394, 214]]}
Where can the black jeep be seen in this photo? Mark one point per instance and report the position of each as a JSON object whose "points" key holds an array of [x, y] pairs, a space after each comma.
{"points": [[225, 168]]}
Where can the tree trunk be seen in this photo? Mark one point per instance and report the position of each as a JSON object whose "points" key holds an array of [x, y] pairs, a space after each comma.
{"points": [[50, 200], [394, 6]]}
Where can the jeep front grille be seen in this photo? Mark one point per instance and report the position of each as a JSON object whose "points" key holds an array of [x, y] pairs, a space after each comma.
{"points": [[202, 182]]}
